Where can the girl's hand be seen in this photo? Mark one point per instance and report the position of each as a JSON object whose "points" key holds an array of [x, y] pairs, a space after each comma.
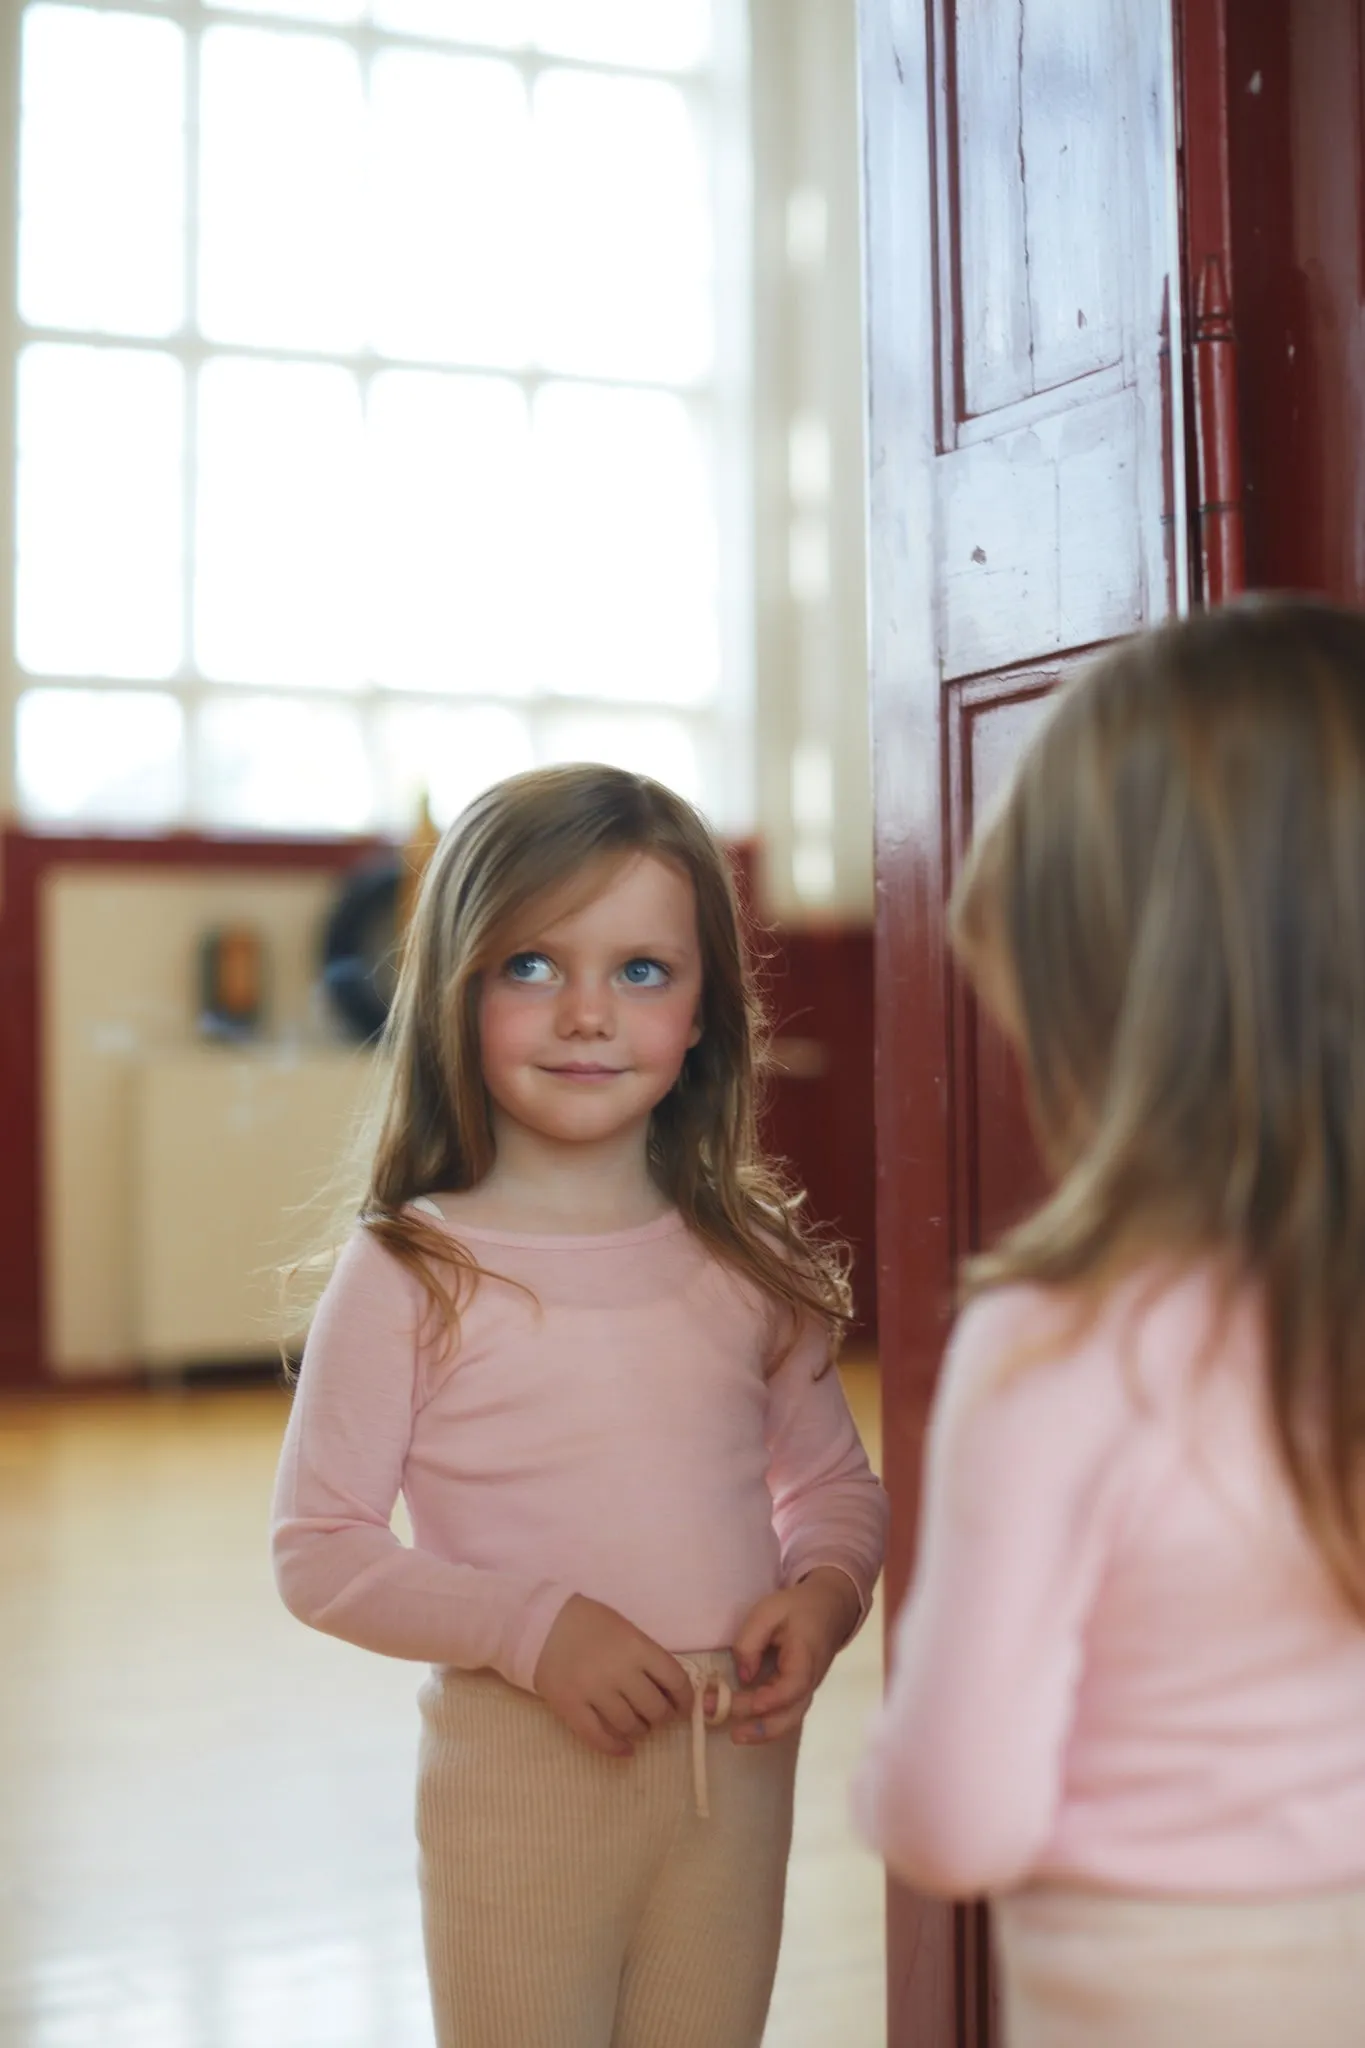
{"points": [[801, 1629], [607, 1680]]}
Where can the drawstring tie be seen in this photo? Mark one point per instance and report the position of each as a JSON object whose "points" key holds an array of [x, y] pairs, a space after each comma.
{"points": [[704, 1676]]}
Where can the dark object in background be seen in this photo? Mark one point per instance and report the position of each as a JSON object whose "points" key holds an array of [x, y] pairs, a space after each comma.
{"points": [[231, 982], [360, 947]]}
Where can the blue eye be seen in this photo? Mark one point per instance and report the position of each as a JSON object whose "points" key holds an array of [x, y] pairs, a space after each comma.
{"points": [[645, 974], [531, 969]]}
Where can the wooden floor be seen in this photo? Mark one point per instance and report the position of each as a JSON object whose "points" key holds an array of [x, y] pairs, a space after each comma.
{"points": [[205, 1809]]}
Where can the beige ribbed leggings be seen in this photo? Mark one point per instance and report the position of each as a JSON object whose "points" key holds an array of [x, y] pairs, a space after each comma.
{"points": [[574, 1900], [1097, 1970]]}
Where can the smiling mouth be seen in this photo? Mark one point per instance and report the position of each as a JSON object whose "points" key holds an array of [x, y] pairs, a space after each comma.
{"points": [[585, 1073]]}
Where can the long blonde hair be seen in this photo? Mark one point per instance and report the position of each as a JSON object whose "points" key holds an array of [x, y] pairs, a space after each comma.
{"points": [[1169, 905], [525, 841]]}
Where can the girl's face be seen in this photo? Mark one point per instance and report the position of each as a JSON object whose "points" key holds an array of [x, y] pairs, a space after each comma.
{"points": [[585, 1020]]}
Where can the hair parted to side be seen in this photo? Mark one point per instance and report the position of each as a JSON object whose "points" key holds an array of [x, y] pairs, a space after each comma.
{"points": [[1169, 904], [555, 835]]}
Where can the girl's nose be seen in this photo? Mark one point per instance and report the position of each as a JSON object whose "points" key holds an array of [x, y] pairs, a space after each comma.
{"points": [[584, 1008]]}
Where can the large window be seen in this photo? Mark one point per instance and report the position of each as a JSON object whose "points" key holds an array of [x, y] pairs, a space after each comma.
{"points": [[377, 423]]}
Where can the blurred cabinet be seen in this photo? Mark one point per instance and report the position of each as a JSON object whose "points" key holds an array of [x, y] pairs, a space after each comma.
{"points": [[236, 1158]]}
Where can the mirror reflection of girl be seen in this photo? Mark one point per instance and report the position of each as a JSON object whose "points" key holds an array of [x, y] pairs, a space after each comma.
{"points": [[583, 1330], [1128, 1688]]}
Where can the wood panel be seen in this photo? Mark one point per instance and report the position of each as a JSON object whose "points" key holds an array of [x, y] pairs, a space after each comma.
{"points": [[989, 724], [1078, 113], [988, 230], [1039, 548], [1046, 337], [1036, 250]]}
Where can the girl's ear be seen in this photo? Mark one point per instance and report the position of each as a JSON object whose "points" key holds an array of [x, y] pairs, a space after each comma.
{"points": [[694, 1035]]}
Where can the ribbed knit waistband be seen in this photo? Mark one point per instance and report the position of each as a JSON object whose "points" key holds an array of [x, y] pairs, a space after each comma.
{"points": [[710, 1673]]}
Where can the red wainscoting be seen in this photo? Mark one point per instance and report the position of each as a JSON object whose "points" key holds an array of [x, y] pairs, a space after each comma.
{"points": [[820, 1111], [819, 1116]]}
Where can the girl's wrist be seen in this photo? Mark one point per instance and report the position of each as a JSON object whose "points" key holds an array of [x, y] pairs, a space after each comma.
{"points": [[835, 1590]]}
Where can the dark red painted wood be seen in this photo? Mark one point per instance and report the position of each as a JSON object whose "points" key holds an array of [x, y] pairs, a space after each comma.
{"points": [[1213, 350], [1208, 287], [1168, 462], [816, 984], [820, 1111], [1296, 142], [1205, 87], [916, 1188]]}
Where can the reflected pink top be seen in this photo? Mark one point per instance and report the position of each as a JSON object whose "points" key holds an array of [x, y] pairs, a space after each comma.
{"points": [[1121, 1663], [608, 1432]]}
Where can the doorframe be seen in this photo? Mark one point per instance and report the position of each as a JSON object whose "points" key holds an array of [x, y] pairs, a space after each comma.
{"points": [[928, 1965]]}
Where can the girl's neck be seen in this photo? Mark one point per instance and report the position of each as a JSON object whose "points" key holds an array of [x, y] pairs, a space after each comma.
{"points": [[563, 1191]]}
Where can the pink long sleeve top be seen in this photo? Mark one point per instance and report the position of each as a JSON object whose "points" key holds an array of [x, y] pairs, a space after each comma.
{"points": [[604, 1427], [1121, 1663]]}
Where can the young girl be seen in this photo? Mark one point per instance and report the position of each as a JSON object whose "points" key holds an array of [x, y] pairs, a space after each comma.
{"points": [[1128, 1694], [582, 1330]]}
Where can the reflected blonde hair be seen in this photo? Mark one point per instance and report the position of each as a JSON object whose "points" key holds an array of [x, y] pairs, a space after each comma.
{"points": [[550, 840], [1168, 905]]}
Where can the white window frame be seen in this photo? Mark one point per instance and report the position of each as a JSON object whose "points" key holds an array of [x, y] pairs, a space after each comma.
{"points": [[721, 403]]}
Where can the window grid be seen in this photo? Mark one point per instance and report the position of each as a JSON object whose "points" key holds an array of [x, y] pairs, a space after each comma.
{"points": [[716, 405]]}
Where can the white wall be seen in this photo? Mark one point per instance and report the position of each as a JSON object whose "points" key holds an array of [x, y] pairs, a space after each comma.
{"points": [[814, 803]]}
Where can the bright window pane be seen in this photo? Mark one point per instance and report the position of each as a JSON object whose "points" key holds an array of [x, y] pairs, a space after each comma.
{"points": [[500, 23], [623, 262], [282, 122], [451, 753], [99, 547], [296, 10], [275, 764], [625, 575], [661, 747], [107, 757], [101, 171], [449, 222], [447, 509], [281, 455], [666, 35]]}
